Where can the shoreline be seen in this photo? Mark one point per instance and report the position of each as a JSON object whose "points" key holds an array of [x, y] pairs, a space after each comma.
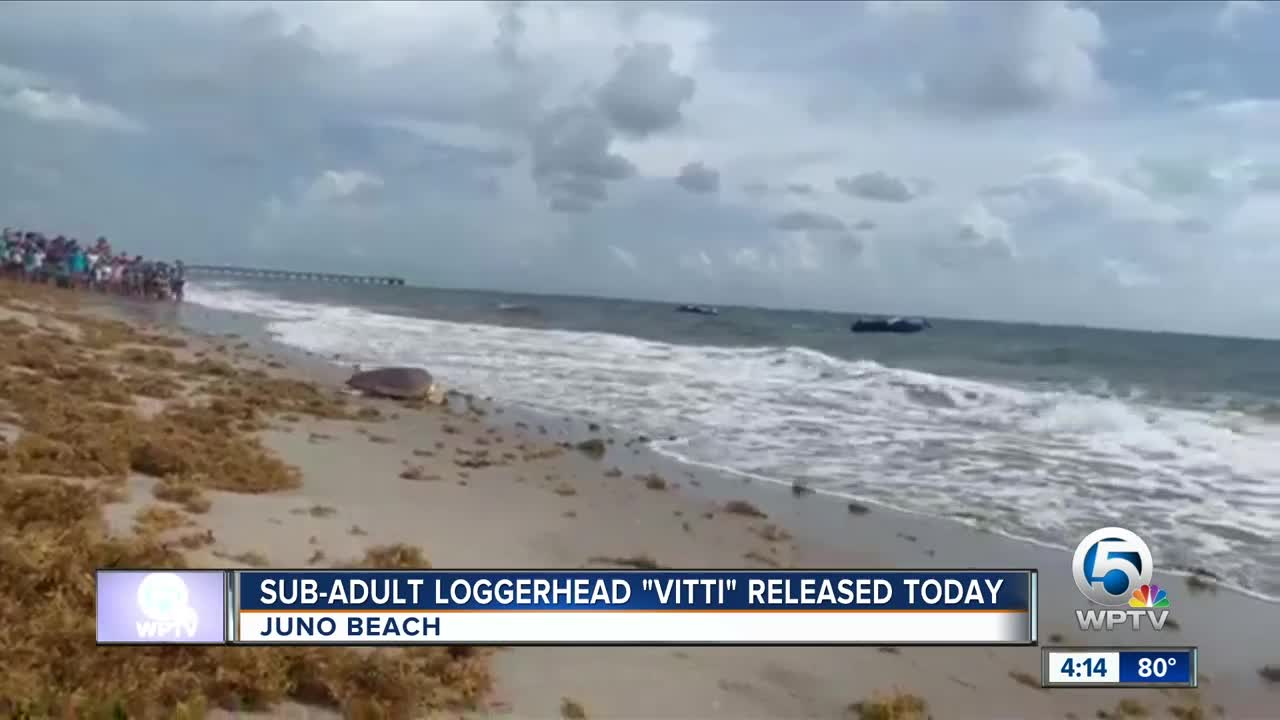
{"points": [[564, 509]]}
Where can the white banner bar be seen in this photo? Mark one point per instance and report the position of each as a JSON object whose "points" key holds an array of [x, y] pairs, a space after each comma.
{"points": [[635, 627]]}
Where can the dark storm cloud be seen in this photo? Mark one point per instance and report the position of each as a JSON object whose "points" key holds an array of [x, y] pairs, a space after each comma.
{"points": [[698, 178], [644, 95], [878, 186]]}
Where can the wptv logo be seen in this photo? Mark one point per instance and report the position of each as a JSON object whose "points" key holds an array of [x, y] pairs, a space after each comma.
{"points": [[1112, 568], [165, 602]]}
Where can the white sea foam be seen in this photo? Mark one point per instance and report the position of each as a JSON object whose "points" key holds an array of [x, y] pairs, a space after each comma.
{"points": [[1202, 487]]}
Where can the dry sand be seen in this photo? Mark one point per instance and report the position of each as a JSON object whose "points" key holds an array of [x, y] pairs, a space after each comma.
{"points": [[541, 506]]}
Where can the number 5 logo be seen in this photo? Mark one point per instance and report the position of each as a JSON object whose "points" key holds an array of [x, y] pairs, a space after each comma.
{"points": [[1110, 564]]}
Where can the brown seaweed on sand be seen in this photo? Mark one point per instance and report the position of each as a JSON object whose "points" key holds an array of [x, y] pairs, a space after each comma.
{"points": [[593, 448], [896, 705], [639, 562], [571, 709], [742, 507], [653, 481], [53, 537]]}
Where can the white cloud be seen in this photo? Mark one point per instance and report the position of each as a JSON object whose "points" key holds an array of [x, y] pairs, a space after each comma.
{"points": [[752, 259], [332, 185], [14, 78], [1069, 187], [978, 235], [66, 108], [1029, 55], [1249, 113], [1129, 275]]}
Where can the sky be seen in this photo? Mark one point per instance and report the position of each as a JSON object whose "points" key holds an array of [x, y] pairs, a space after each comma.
{"points": [[1100, 163]]}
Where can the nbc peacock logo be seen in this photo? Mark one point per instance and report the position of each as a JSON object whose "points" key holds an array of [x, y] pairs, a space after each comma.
{"points": [[1112, 568], [1149, 596]]}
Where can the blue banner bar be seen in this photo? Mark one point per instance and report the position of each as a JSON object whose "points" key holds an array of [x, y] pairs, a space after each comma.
{"points": [[1164, 667], [615, 590]]}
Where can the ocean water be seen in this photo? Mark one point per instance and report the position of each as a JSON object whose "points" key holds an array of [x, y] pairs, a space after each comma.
{"points": [[1039, 433]]}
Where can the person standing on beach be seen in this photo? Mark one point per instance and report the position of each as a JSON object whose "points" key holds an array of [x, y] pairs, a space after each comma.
{"points": [[33, 263], [91, 258], [79, 266], [177, 280], [13, 254]]}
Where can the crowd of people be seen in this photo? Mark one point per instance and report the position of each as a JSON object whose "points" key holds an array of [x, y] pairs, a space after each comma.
{"points": [[33, 257]]}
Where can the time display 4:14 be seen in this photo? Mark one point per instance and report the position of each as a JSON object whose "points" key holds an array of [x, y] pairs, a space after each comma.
{"points": [[1073, 667], [1085, 667]]}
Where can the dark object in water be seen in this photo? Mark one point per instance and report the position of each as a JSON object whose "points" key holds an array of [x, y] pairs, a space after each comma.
{"points": [[406, 383], [698, 310], [890, 325]]}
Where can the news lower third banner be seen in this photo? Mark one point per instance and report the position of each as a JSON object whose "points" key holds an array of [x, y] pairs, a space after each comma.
{"points": [[551, 607]]}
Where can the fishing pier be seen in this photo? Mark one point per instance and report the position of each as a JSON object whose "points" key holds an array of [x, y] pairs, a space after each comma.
{"points": [[269, 274]]}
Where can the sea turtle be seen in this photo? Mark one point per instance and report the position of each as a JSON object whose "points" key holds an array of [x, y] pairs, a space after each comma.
{"points": [[405, 383]]}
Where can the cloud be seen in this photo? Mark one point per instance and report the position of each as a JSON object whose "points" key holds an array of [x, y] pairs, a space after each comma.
{"points": [[905, 8], [1267, 183], [1194, 226], [697, 262], [979, 235], [1178, 176], [812, 238], [1015, 56], [1235, 12], [624, 257], [865, 224], [644, 95], [510, 30], [801, 220], [878, 186], [1129, 275], [334, 185], [51, 106], [698, 178], [573, 160], [1265, 179], [1069, 187], [800, 188]]}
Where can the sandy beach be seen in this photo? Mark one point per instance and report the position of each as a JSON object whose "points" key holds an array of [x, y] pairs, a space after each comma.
{"points": [[479, 485]]}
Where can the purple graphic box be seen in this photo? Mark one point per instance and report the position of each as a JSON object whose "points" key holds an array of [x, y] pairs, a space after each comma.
{"points": [[161, 607]]}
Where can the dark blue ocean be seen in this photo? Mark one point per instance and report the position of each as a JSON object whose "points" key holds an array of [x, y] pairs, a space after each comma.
{"points": [[1037, 432]]}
